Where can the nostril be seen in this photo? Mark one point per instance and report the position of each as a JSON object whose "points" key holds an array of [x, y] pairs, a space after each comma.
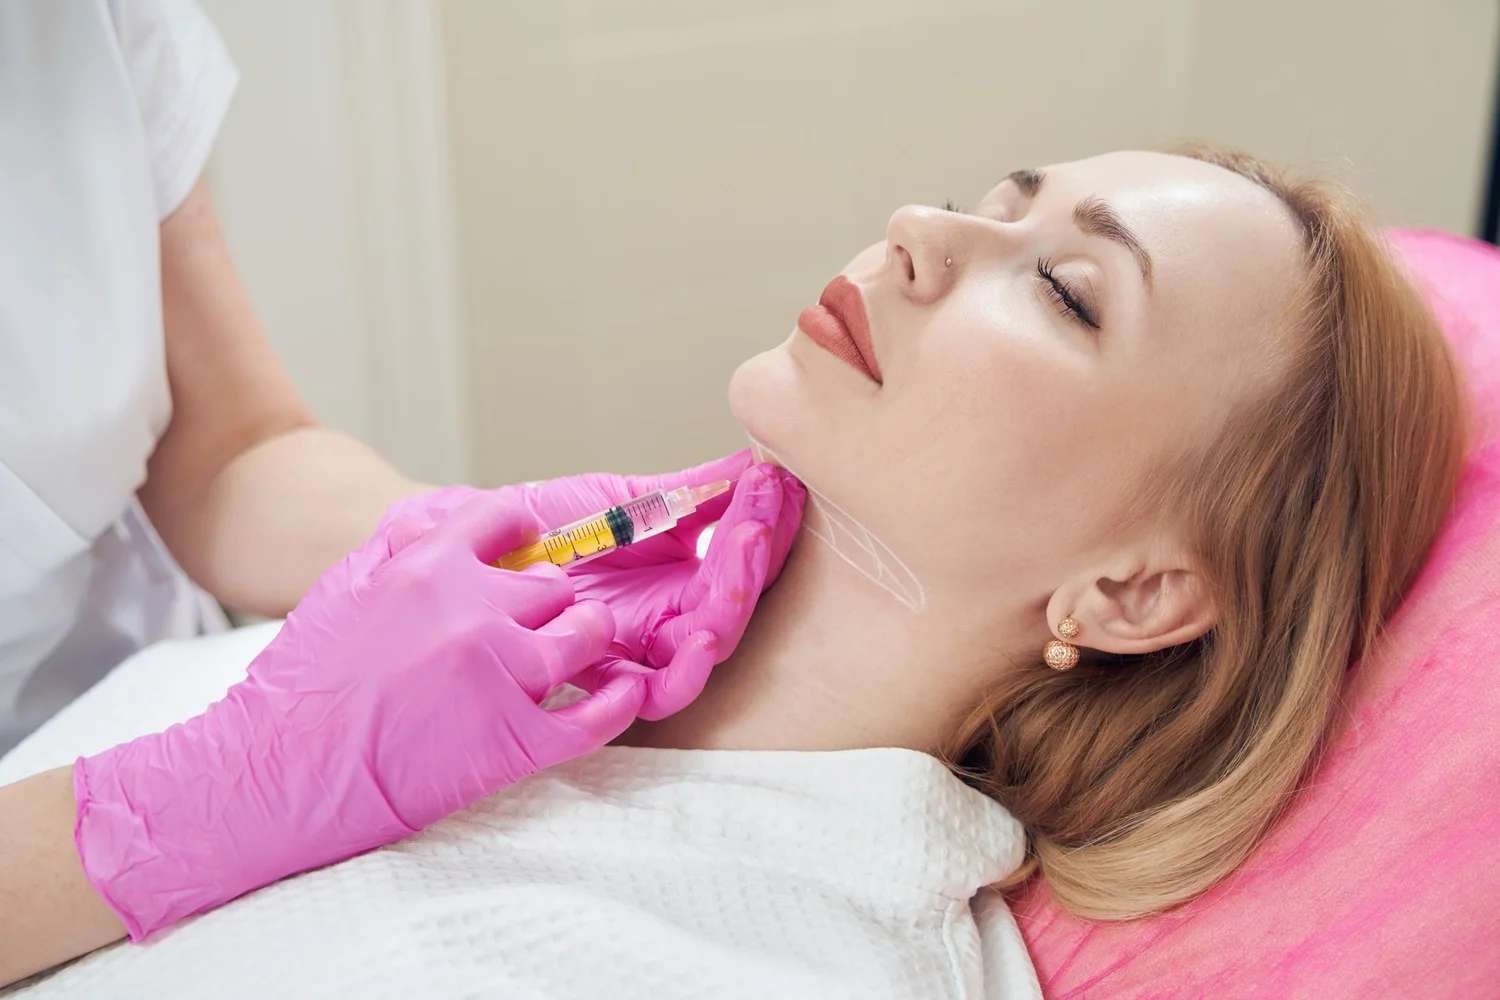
{"points": [[906, 262]]}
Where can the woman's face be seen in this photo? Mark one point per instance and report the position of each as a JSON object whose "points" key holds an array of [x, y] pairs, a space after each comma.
{"points": [[1029, 362]]}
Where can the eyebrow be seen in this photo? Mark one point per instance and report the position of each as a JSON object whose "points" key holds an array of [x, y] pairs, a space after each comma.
{"points": [[1094, 217]]}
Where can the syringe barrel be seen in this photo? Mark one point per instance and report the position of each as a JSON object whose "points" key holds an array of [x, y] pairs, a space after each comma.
{"points": [[597, 535], [600, 534]]}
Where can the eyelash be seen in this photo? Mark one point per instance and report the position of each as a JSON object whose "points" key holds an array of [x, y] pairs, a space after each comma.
{"points": [[1067, 303]]}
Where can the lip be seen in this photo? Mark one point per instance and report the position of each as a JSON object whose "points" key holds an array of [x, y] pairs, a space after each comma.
{"points": [[838, 324]]}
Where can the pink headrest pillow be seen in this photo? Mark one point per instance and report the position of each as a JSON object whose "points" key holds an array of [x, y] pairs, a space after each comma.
{"points": [[1383, 878]]}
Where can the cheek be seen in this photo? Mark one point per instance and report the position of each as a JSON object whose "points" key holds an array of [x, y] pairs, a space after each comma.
{"points": [[959, 464], [974, 449], [977, 404]]}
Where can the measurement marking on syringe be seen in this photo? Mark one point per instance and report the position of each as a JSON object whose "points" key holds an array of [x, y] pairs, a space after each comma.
{"points": [[616, 527]]}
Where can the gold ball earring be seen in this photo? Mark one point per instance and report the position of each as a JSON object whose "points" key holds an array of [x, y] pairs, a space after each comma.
{"points": [[1062, 655]]}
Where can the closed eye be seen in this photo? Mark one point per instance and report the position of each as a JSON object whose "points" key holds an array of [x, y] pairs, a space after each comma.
{"points": [[1068, 303]]}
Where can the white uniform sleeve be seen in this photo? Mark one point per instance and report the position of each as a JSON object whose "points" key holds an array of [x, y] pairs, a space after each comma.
{"points": [[183, 79]]}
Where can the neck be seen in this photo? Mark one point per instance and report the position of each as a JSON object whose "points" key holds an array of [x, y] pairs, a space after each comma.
{"points": [[829, 662]]}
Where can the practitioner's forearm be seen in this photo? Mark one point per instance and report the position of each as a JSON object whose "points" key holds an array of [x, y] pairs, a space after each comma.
{"points": [[275, 516], [251, 496], [49, 912]]}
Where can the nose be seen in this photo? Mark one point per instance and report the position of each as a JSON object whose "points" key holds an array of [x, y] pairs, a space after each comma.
{"points": [[922, 246]]}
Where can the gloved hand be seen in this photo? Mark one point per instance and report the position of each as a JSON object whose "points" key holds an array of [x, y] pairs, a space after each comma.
{"points": [[402, 688], [664, 598], [669, 594]]}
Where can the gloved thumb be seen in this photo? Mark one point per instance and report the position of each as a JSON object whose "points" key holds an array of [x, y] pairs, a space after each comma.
{"points": [[759, 497], [675, 686], [729, 587], [489, 525], [591, 723]]}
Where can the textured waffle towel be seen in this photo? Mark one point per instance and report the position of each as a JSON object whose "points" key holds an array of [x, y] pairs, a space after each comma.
{"points": [[629, 873]]}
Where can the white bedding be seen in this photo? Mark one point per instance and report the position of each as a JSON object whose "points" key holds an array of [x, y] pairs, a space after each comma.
{"points": [[628, 873]]}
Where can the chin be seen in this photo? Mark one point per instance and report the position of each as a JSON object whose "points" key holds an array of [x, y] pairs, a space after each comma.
{"points": [[768, 397]]}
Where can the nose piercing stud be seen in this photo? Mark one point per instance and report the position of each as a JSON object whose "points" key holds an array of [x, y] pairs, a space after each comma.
{"points": [[948, 262]]}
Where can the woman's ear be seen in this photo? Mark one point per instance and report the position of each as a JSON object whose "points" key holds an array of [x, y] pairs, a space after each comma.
{"points": [[1140, 608]]}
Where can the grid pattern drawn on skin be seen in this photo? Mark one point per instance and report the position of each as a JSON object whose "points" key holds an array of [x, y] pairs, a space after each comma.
{"points": [[853, 542]]}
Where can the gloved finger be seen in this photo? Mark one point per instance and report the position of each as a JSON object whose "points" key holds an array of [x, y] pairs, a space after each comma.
{"points": [[673, 687], [758, 497], [788, 522], [735, 582], [591, 723], [728, 467], [570, 643], [488, 524], [399, 508], [445, 502], [532, 597], [402, 530], [616, 661]]}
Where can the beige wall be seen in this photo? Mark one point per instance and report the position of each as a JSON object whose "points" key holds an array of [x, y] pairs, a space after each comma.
{"points": [[1394, 96], [648, 192]]}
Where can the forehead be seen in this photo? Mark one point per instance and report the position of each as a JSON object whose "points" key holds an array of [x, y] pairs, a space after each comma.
{"points": [[1227, 252]]}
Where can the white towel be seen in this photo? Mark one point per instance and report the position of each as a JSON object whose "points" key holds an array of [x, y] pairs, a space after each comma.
{"points": [[628, 873]]}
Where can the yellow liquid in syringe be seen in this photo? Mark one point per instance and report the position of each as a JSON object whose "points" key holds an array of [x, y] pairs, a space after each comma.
{"points": [[602, 533], [563, 546]]}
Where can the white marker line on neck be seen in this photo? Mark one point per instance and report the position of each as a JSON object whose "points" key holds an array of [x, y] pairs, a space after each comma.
{"points": [[903, 585]]}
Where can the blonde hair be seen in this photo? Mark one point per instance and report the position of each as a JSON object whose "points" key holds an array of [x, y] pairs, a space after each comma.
{"points": [[1143, 781]]}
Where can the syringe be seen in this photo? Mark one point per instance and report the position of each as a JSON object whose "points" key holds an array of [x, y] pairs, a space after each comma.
{"points": [[600, 534]]}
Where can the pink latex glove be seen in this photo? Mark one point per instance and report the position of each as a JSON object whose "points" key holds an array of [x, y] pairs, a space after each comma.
{"points": [[668, 594], [668, 604], [405, 686]]}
